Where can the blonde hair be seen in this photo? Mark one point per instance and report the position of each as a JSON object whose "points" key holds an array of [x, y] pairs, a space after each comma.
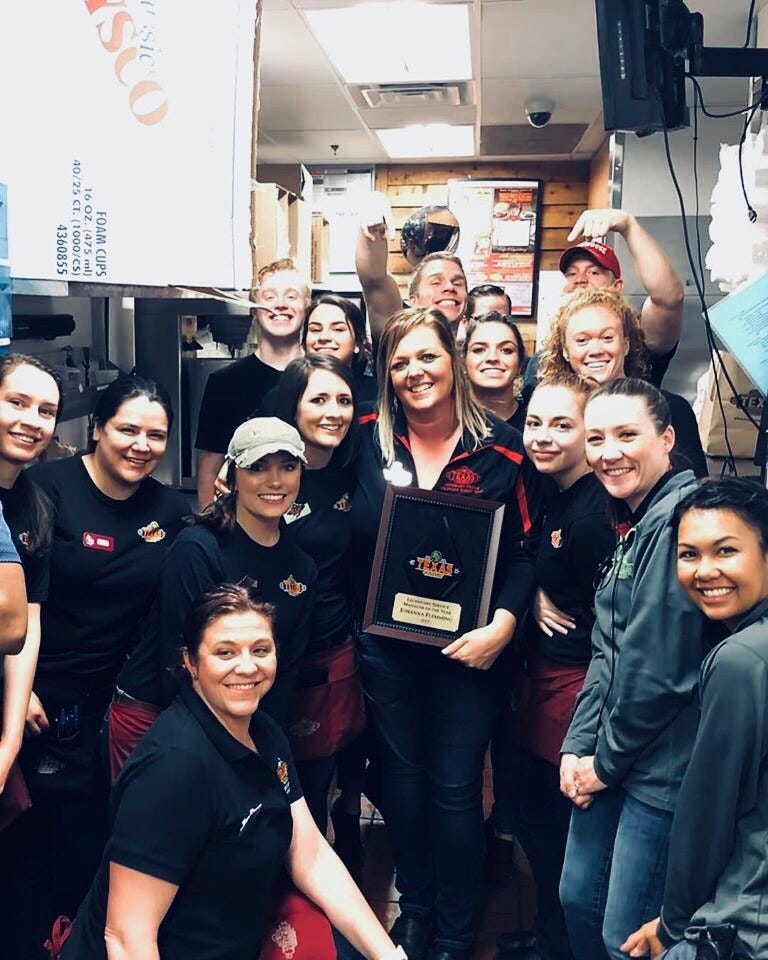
{"points": [[553, 362], [468, 412], [279, 266]]}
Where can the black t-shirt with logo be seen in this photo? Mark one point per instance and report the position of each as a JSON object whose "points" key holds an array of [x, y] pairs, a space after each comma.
{"points": [[196, 808], [577, 537], [104, 571], [230, 396], [283, 574], [320, 524], [35, 566]]}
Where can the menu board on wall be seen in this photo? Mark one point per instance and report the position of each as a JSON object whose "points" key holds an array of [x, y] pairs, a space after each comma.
{"points": [[130, 156], [499, 241]]}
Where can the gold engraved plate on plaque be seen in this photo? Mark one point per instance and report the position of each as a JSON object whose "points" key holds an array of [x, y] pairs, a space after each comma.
{"points": [[426, 612]]}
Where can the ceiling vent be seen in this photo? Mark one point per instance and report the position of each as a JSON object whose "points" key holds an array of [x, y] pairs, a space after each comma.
{"points": [[414, 94]]}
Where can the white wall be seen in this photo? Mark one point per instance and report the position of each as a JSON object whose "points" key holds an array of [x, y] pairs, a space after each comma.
{"points": [[648, 190]]}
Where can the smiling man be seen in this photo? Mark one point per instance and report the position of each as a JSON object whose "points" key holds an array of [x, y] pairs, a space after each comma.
{"points": [[438, 281], [233, 393]]}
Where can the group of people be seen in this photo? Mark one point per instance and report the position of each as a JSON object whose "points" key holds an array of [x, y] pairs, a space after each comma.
{"points": [[619, 677]]}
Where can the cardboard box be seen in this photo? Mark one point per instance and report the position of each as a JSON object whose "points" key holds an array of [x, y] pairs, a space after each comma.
{"points": [[321, 235], [269, 240]]}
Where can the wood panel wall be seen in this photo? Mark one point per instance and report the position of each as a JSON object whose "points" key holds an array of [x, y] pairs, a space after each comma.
{"points": [[564, 196]]}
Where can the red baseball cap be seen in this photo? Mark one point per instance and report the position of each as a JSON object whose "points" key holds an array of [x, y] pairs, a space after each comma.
{"points": [[601, 253]]}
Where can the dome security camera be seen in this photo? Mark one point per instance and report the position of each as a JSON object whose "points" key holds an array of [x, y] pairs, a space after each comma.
{"points": [[538, 111]]}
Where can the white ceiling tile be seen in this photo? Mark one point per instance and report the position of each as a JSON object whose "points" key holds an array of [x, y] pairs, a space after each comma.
{"points": [[539, 38], [307, 107]]}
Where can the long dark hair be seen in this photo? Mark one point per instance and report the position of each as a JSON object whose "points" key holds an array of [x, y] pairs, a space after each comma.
{"points": [[28, 507], [119, 392], [356, 323], [293, 385]]}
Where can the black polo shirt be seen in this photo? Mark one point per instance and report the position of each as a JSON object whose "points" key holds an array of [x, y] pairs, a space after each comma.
{"points": [[284, 575], [196, 808], [230, 395], [577, 537]]}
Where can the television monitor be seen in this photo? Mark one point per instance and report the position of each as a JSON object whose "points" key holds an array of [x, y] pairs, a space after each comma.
{"points": [[643, 82]]}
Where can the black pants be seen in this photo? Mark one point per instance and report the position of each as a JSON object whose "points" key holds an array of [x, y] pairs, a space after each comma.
{"points": [[49, 857], [541, 818]]}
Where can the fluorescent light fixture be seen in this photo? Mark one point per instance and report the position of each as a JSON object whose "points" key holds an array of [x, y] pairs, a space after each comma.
{"points": [[428, 140], [398, 41]]}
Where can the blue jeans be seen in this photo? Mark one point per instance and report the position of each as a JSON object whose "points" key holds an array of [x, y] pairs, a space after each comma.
{"points": [[685, 950], [613, 876], [433, 718]]}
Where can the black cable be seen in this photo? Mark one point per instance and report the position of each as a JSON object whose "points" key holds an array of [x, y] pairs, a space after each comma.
{"points": [[751, 212], [714, 350], [750, 15], [729, 463], [720, 116]]}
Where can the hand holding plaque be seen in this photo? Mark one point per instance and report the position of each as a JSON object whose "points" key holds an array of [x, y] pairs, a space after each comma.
{"points": [[433, 568]]}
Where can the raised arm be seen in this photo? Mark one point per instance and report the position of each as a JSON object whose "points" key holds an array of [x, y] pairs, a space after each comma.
{"points": [[662, 314], [382, 296]]}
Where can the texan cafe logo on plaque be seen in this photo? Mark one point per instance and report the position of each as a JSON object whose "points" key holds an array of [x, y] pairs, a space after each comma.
{"points": [[434, 566]]}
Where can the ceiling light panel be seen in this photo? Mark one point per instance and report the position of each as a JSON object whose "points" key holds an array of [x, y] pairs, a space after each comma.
{"points": [[428, 140], [395, 42]]}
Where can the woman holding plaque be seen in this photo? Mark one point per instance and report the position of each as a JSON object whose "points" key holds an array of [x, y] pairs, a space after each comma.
{"points": [[434, 708], [628, 744]]}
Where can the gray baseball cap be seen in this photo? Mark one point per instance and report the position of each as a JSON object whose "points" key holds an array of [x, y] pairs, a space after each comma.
{"points": [[261, 436]]}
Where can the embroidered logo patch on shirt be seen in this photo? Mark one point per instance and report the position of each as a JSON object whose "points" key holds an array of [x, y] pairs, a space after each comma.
{"points": [[343, 503], [98, 541], [297, 510], [461, 480], [152, 533], [292, 587], [286, 939], [282, 774], [557, 539]]}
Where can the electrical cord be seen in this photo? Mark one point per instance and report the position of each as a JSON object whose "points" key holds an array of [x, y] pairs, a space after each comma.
{"points": [[729, 464]]}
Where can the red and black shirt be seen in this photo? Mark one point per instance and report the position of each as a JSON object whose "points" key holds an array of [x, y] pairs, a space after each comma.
{"points": [[497, 469]]}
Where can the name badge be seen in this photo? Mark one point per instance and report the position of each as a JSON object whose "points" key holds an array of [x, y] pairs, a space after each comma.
{"points": [[98, 541]]}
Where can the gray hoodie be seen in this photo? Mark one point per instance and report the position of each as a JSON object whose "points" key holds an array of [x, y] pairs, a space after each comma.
{"points": [[637, 711], [718, 855]]}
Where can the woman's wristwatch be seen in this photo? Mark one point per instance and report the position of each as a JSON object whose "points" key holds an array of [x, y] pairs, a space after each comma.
{"points": [[397, 954]]}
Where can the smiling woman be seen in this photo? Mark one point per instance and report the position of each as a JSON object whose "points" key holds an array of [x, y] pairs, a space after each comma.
{"points": [[112, 526], [241, 535], [198, 880], [435, 708], [628, 744]]}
